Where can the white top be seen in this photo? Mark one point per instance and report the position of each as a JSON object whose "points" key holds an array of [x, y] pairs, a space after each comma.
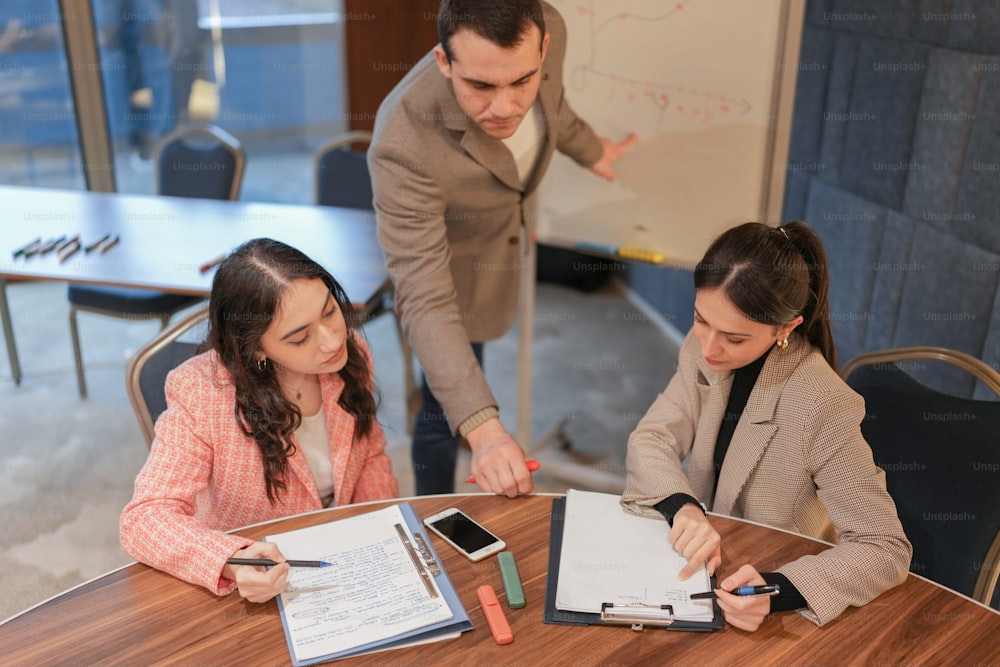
{"points": [[526, 142], [315, 444]]}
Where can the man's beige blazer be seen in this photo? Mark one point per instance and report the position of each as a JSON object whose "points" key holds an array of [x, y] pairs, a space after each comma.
{"points": [[451, 211]]}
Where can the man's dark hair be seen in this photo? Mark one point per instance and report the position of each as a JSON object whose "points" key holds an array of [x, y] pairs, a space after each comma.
{"points": [[503, 22]]}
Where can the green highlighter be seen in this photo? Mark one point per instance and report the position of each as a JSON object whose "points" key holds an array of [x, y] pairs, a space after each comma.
{"points": [[511, 580]]}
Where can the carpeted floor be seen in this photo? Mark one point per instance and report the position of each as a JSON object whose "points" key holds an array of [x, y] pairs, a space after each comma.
{"points": [[67, 466]]}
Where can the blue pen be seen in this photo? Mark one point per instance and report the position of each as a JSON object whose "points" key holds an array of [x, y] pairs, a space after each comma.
{"points": [[769, 589]]}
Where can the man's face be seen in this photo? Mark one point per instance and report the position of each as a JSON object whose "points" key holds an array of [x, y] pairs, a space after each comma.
{"points": [[494, 86]]}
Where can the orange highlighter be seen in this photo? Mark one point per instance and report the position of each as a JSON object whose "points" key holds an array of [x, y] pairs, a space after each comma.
{"points": [[499, 626]]}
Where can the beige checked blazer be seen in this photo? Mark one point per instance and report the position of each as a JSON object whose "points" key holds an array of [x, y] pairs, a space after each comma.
{"points": [[797, 460], [450, 210], [203, 476]]}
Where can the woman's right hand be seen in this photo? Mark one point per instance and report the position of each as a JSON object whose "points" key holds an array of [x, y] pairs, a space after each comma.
{"points": [[693, 536], [256, 583]]}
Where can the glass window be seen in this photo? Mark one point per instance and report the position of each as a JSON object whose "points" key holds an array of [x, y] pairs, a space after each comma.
{"points": [[257, 13], [38, 137], [269, 73]]}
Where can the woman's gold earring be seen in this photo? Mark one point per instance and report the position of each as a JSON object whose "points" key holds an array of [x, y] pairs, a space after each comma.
{"points": [[782, 344]]}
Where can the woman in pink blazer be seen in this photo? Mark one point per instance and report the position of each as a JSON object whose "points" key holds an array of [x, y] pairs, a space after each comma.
{"points": [[757, 424], [277, 417]]}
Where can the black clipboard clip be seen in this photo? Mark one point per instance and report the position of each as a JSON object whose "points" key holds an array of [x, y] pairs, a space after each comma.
{"points": [[638, 615]]}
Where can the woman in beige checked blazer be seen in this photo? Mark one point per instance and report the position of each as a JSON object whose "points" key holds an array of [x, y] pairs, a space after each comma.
{"points": [[276, 418], [757, 424]]}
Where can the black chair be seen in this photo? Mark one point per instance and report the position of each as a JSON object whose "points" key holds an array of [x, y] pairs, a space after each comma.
{"points": [[342, 179], [199, 161], [147, 370], [940, 454], [341, 173]]}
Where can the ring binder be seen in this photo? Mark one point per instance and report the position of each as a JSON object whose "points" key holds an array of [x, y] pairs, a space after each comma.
{"points": [[324, 624], [432, 564], [418, 562], [638, 615]]}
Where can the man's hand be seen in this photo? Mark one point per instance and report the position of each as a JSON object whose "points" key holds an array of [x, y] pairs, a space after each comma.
{"points": [[694, 537], [258, 584], [498, 462], [612, 152], [745, 612]]}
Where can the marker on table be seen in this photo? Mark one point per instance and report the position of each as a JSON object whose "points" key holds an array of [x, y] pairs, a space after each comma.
{"points": [[68, 250], [208, 266], [267, 562], [48, 246], [743, 591], [495, 618], [532, 467], [23, 250], [108, 245], [624, 252], [96, 243], [67, 243]]}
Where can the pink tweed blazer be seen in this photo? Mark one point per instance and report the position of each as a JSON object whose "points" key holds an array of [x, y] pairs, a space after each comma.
{"points": [[204, 477]]}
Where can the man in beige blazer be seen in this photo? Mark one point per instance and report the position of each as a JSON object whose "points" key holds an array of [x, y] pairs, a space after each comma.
{"points": [[459, 148]]}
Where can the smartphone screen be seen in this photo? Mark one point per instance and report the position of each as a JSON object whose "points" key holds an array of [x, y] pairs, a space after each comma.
{"points": [[464, 532]]}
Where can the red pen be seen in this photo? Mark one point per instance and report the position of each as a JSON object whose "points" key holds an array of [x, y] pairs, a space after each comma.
{"points": [[532, 467], [208, 266]]}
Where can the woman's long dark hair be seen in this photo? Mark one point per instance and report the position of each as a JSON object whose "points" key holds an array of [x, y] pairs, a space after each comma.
{"points": [[773, 274], [246, 292]]}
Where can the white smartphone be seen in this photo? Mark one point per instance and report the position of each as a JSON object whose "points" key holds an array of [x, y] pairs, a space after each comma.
{"points": [[459, 530]]}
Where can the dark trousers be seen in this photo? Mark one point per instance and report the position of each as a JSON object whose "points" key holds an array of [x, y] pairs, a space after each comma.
{"points": [[434, 449]]}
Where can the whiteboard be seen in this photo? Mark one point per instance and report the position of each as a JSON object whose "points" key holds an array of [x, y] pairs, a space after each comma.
{"points": [[708, 86]]}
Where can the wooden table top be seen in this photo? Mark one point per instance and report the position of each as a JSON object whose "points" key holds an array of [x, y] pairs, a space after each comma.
{"points": [[164, 240], [138, 615]]}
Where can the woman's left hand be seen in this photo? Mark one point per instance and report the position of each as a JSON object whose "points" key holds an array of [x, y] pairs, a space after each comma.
{"points": [[745, 612]]}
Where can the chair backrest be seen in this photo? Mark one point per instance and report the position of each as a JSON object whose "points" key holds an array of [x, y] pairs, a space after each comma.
{"points": [[200, 161], [341, 174], [941, 457], [147, 370]]}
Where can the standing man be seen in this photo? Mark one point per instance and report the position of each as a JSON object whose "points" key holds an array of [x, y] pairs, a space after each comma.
{"points": [[459, 148]]}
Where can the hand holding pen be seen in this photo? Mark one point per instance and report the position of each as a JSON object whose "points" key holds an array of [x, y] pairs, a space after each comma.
{"points": [[745, 609], [259, 583], [743, 591]]}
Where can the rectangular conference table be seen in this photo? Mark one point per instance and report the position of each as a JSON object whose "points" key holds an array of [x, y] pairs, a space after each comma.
{"points": [[138, 615], [163, 241]]}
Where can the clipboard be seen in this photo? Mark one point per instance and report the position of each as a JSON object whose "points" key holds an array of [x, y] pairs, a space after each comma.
{"points": [[425, 559], [638, 617]]}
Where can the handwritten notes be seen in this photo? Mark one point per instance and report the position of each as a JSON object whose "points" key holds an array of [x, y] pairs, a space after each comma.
{"points": [[372, 593], [609, 555]]}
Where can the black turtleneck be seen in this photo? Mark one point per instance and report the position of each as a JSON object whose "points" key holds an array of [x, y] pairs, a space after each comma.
{"points": [[744, 379]]}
